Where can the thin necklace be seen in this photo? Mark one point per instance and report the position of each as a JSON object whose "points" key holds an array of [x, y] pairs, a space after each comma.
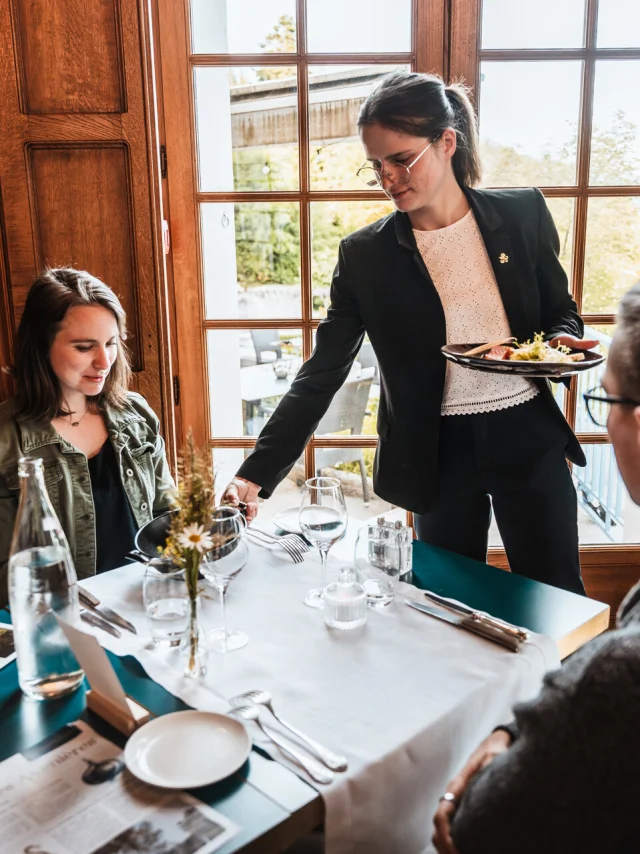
{"points": [[75, 423]]}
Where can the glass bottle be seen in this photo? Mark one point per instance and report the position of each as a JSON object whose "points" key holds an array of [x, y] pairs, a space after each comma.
{"points": [[345, 602], [42, 583]]}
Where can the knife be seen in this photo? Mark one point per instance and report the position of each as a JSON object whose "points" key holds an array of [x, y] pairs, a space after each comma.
{"points": [[91, 603], [483, 629], [93, 619], [480, 616]]}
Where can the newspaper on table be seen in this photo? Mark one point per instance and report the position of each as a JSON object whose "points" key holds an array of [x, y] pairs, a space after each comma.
{"points": [[7, 647], [73, 795]]}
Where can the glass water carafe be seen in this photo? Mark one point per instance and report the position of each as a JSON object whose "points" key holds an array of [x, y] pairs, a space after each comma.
{"points": [[42, 583]]}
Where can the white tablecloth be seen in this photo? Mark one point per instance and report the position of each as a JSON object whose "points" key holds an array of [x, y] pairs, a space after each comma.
{"points": [[406, 698]]}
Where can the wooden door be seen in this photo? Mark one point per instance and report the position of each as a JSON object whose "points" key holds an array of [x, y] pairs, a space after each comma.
{"points": [[79, 178]]}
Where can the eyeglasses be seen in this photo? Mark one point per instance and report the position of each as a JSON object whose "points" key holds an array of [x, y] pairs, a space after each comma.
{"points": [[598, 404], [397, 173]]}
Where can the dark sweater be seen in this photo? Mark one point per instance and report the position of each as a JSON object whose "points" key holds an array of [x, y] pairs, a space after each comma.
{"points": [[571, 780]]}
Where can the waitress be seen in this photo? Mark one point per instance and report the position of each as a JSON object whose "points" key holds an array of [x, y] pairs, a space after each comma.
{"points": [[453, 264]]}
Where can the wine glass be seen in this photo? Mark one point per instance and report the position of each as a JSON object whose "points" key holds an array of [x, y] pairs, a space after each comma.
{"points": [[225, 560], [323, 520]]}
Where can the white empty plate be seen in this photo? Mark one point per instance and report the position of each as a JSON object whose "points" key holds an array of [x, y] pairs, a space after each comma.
{"points": [[184, 750], [288, 520]]}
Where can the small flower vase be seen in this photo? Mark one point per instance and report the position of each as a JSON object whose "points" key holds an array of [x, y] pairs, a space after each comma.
{"points": [[194, 648]]}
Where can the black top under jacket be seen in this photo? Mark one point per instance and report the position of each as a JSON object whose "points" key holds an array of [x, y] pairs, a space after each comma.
{"points": [[115, 524], [382, 287]]}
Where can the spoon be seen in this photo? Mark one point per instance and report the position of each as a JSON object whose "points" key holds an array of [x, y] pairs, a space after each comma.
{"points": [[263, 698], [313, 768]]}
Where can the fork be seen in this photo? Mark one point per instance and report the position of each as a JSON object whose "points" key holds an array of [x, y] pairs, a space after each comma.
{"points": [[298, 539], [263, 698], [294, 546]]}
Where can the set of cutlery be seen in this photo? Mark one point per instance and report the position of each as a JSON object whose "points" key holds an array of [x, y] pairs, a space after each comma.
{"points": [[294, 545], [472, 620], [97, 615], [319, 762]]}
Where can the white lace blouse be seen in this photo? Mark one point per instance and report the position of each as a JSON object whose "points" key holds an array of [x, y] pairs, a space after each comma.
{"points": [[459, 266]]}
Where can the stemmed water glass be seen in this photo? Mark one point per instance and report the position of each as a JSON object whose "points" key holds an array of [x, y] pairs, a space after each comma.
{"points": [[323, 520], [221, 565]]}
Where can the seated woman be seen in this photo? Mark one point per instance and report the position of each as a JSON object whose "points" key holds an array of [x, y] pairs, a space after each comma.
{"points": [[565, 777], [104, 460]]}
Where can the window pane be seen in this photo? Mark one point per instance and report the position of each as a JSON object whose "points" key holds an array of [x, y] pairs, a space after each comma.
{"points": [[354, 409], [249, 26], [353, 467], [618, 23], [251, 255], [335, 96], [249, 371], [591, 379], [330, 222], [334, 26], [562, 213], [606, 513], [529, 141], [612, 262], [247, 128], [546, 23], [615, 142], [286, 496]]}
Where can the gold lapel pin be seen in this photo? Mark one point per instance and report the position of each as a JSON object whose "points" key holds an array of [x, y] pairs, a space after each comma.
{"points": [[503, 258]]}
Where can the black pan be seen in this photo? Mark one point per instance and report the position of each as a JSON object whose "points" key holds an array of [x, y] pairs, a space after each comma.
{"points": [[152, 537]]}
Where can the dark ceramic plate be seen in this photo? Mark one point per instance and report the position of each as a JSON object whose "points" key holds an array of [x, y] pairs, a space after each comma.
{"points": [[546, 370]]}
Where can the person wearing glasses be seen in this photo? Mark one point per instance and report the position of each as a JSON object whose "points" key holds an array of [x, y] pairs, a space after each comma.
{"points": [[453, 264], [564, 776]]}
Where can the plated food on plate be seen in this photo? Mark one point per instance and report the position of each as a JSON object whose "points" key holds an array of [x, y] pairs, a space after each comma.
{"points": [[533, 358], [537, 350]]}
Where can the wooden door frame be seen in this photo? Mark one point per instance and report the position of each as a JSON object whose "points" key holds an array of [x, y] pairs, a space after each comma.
{"points": [[181, 187]]}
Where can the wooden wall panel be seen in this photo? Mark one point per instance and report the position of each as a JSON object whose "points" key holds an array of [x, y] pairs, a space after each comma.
{"points": [[69, 55], [6, 319], [82, 217]]}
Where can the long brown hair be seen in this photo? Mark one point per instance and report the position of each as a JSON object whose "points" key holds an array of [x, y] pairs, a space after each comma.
{"points": [[39, 396], [422, 105]]}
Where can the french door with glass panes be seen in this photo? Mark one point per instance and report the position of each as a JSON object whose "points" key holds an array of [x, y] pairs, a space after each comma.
{"points": [[261, 99], [260, 103]]}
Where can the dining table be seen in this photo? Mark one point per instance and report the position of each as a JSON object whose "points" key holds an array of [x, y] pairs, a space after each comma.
{"points": [[455, 689]]}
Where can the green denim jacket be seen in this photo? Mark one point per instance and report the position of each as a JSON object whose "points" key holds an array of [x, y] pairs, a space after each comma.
{"points": [[135, 434]]}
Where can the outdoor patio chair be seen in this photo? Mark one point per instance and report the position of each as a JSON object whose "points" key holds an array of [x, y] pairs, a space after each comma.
{"points": [[264, 342], [347, 412]]}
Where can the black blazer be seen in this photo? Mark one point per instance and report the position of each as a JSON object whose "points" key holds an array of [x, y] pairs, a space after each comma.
{"points": [[381, 286]]}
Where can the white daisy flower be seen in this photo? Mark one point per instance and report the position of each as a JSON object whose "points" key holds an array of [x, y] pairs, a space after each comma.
{"points": [[194, 537]]}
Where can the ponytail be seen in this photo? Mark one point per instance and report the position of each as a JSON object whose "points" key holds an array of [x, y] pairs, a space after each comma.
{"points": [[466, 158], [421, 105]]}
